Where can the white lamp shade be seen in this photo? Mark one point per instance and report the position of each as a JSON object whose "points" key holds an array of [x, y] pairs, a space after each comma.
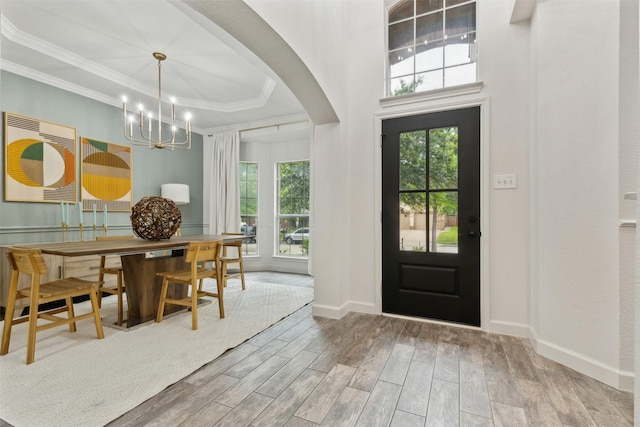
{"points": [[179, 193]]}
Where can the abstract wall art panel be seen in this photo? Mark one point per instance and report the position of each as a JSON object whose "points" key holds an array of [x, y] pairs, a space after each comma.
{"points": [[40, 160], [106, 175]]}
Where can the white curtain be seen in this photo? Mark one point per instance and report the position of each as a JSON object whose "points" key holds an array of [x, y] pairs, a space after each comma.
{"points": [[224, 205]]}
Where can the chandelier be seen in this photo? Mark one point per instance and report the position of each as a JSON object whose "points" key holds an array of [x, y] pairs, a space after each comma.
{"points": [[145, 137]]}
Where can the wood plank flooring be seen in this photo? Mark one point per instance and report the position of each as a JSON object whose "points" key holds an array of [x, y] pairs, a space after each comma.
{"points": [[366, 370]]}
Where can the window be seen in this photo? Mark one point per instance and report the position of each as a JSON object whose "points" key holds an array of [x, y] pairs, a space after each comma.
{"points": [[293, 208], [249, 205], [431, 45]]}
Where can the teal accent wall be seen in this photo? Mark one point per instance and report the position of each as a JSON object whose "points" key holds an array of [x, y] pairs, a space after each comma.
{"points": [[35, 222]]}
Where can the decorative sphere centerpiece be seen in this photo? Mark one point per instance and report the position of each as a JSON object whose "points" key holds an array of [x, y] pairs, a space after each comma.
{"points": [[155, 218]]}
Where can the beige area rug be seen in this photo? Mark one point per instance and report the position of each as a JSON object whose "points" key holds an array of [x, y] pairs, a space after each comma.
{"points": [[79, 380]]}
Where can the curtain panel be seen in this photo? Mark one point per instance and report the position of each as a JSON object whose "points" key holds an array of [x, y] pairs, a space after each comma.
{"points": [[224, 202]]}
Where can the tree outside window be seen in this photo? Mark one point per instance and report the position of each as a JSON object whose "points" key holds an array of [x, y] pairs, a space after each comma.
{"points": [[249, 205], [293, 208]]}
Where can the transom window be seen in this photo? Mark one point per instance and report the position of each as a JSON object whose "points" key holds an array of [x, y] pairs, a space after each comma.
{"points": [[431, 44]]}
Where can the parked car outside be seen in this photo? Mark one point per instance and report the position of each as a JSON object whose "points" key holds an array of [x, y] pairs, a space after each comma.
{"points": [[297, 236], [249, 230]]}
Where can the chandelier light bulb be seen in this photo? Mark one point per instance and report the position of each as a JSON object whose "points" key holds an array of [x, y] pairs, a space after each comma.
{"points": [[147, 139]]}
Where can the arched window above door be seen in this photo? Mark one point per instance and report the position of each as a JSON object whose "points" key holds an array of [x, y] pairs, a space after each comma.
{"points": [[431, 44]]}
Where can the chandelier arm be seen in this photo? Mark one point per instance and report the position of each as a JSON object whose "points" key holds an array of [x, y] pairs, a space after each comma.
{"points": [[147, 140]]}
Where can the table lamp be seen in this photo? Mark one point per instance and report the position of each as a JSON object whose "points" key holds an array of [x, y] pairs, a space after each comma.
{"points": [[179, 193]]}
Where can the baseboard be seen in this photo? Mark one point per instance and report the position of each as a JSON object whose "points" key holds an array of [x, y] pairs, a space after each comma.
{"points": [[329, 311], [627, 380], [363, 307], [622, 380], [335, 312], [507, 328]]}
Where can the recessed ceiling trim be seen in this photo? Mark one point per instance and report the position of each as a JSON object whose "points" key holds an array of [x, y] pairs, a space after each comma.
{"points": [[14, 34], [58, 83], [70, 87], [267, 88]]}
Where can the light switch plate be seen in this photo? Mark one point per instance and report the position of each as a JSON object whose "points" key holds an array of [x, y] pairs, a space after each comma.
{"points": [[505, 181]]}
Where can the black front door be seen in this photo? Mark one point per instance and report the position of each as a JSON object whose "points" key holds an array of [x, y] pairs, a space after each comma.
{"points": [[431, 216]]}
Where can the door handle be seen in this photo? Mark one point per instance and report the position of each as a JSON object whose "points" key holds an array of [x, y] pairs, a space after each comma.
{"points": [[473, 234]]}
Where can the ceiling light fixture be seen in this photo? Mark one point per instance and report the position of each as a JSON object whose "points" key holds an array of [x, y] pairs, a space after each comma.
{"points": [[146, 139]]}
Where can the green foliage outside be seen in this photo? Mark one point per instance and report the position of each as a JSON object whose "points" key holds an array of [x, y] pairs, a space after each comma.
{"points": [[248, 188], [294, 188], [449, 237], [429, 154]]}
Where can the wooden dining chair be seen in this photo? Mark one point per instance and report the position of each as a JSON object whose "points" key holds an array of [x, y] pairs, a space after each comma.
{"points": [[113, 270], [234, 257], [198, 255], [30, 262]]}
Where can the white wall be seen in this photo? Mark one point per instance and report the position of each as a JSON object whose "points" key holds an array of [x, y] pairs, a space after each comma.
{"points": [[629, 128], [551, 263], [576, 177]]}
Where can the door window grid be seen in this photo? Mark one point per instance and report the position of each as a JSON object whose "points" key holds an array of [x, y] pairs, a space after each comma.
{"points": [[429, 168]]}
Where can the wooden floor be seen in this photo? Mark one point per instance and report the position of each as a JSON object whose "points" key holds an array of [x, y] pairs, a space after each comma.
{"points": [[368, 370]]}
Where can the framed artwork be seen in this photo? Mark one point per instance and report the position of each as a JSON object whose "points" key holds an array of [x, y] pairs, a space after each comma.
{"points": [[40, 160], [106, 176]]}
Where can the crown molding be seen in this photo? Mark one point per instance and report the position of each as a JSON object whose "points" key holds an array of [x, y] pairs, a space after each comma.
{"points": [[28, 41]]}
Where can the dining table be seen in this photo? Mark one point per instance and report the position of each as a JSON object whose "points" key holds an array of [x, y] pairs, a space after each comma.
{"points": [[141, 261]]}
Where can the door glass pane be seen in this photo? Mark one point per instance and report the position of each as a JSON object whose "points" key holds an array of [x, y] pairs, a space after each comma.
{"points": [[443, 222], [443, 158], [413, 160], [413, 222]]}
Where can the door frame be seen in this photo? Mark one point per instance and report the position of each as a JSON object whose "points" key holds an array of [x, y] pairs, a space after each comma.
{"points": [[425, 108]]}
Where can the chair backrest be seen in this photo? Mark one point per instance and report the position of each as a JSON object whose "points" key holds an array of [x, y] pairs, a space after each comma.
{"points": [[203, 251], [237, 243], [28, 261]]}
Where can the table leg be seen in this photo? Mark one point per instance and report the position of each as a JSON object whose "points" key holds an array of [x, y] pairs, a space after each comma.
{"points": [[143, 285]]}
